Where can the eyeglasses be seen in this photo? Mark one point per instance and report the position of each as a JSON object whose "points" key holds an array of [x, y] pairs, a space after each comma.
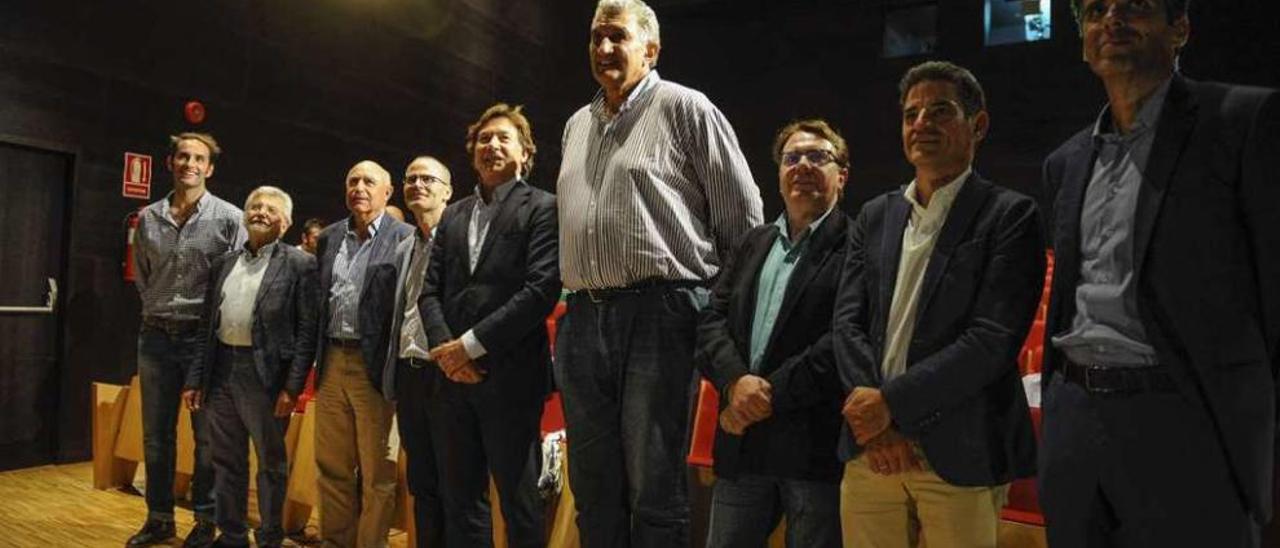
{"points": [[1096, 11], [424, 181], [816, 157], [938, 112]]}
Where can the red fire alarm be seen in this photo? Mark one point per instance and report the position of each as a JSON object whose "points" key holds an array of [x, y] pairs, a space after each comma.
{"points": [[194, 111]]}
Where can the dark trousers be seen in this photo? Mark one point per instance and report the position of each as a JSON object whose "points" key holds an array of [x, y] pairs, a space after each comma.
{"points": [[624, 366], [746, 510], [1135, 470], [163, 360], [479, 431], [241, 409], [415, 388]]}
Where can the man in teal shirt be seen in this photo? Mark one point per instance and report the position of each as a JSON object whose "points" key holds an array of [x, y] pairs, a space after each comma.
{"points": [[764, 341]]}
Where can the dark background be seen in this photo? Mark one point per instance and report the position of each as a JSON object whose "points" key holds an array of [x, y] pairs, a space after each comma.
{"points": [[297, 92]]}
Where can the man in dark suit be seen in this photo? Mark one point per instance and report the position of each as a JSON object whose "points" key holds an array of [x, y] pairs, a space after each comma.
{"points": [[764, 340], [353, 420], [260, 329], [493, 278], [939, 288], [1164, 316], [409, 378]]}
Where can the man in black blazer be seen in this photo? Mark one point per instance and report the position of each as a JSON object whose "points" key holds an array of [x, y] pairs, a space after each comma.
{"points": [[357, 287], [409, 377], [938, 291], [260, 329], [764, 340], [493, 278], [1164, 317]]}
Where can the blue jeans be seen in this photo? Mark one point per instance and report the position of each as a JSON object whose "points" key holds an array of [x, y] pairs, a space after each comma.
{"points": [[163, 361], [624, 366], [745, 510]]}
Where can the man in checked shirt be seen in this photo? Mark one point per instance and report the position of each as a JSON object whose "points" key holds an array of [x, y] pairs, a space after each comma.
{"points": [[653, 193], [178, 236]]}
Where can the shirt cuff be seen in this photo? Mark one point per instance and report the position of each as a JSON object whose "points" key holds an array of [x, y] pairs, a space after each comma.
{"points": [[472, 345]]}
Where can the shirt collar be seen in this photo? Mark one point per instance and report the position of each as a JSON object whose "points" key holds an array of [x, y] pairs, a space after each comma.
{"points": [[784, 227], [373, 226], [601, 111], [200, 204], [500, 193], [942, 197], [264, 251], [1148, 115]]}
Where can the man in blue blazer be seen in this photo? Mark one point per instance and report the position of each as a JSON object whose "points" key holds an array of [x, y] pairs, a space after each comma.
{"points": [[764, 340], [1164, 316], [493, 278], [939, 288], [259, 339], [358, 271]]}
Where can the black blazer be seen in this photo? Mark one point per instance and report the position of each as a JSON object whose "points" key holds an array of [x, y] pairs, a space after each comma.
{"points": [[506, 300], [961, 397], [1207, 261], [799, 440], [374, 313], [284, 320]]}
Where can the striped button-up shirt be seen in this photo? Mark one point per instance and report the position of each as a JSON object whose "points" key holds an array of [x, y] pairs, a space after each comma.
{"points": [[658, 191], [173, 261], [349, 267]]}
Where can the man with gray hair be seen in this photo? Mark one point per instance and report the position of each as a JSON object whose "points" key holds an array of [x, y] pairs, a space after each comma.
{"points": [[259, 338], [177, 239], [654, 193], [353, 420]]}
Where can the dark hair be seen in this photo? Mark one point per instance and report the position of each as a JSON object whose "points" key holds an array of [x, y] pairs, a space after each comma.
{"points": [[204, 138], [516, 116], [1173, 10], [816, 126], [972, 99], [312, 223]]}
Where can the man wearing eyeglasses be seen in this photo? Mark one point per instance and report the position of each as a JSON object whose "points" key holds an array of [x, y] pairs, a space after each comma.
{"points": [[939, 288], [764, 340], [409, 377], [1164, 316]]}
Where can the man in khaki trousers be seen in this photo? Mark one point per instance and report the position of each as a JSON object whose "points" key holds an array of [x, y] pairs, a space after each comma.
{"points": [[353, 420]]}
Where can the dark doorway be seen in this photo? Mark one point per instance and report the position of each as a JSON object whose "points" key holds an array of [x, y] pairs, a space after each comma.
{"points": [[34, 183]]}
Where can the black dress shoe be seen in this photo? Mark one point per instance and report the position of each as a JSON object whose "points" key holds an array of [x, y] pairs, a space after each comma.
{"points": [[201, 536], [153, 531]]}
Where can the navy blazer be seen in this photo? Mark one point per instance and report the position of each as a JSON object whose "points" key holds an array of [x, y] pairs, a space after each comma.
{"points": [[284, 320], [516, 284], [961, 397], [1206, 261], [373, 317], [799, 440]]}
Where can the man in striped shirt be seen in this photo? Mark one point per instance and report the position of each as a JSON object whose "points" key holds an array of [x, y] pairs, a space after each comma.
{"points": [[654, 192]]}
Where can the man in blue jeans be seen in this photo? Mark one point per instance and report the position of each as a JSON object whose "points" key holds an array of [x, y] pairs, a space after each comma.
{"points": [[653, 192], [177, 238]]}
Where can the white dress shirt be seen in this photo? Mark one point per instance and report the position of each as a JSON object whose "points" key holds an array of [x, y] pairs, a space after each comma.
{"points": [[918, 240], [239, 294]]}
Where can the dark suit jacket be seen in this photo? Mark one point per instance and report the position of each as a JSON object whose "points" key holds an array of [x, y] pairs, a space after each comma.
{"points": [[799, 440], [1207, 261], [506, 300], [961, 397], [284, 320], [374, 313]]}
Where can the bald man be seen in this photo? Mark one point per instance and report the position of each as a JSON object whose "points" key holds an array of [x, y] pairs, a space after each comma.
{"points": [[357, 289]]}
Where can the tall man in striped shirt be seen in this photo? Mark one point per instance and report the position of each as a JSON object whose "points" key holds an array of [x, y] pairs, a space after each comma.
{"points": [[177, 239], [653, 192]]}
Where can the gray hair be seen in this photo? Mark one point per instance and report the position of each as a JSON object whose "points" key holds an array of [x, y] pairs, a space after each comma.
{"points": [[274, 192], [646, 19]]}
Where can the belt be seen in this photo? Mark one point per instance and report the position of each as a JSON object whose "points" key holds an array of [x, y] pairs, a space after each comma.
{"points": [[350, 344], [607, 294], [170, 326], [417, 363], [1114, 380]]}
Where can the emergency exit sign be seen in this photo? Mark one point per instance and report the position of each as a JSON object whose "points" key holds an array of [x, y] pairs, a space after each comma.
{"points": [[137, 176]]}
